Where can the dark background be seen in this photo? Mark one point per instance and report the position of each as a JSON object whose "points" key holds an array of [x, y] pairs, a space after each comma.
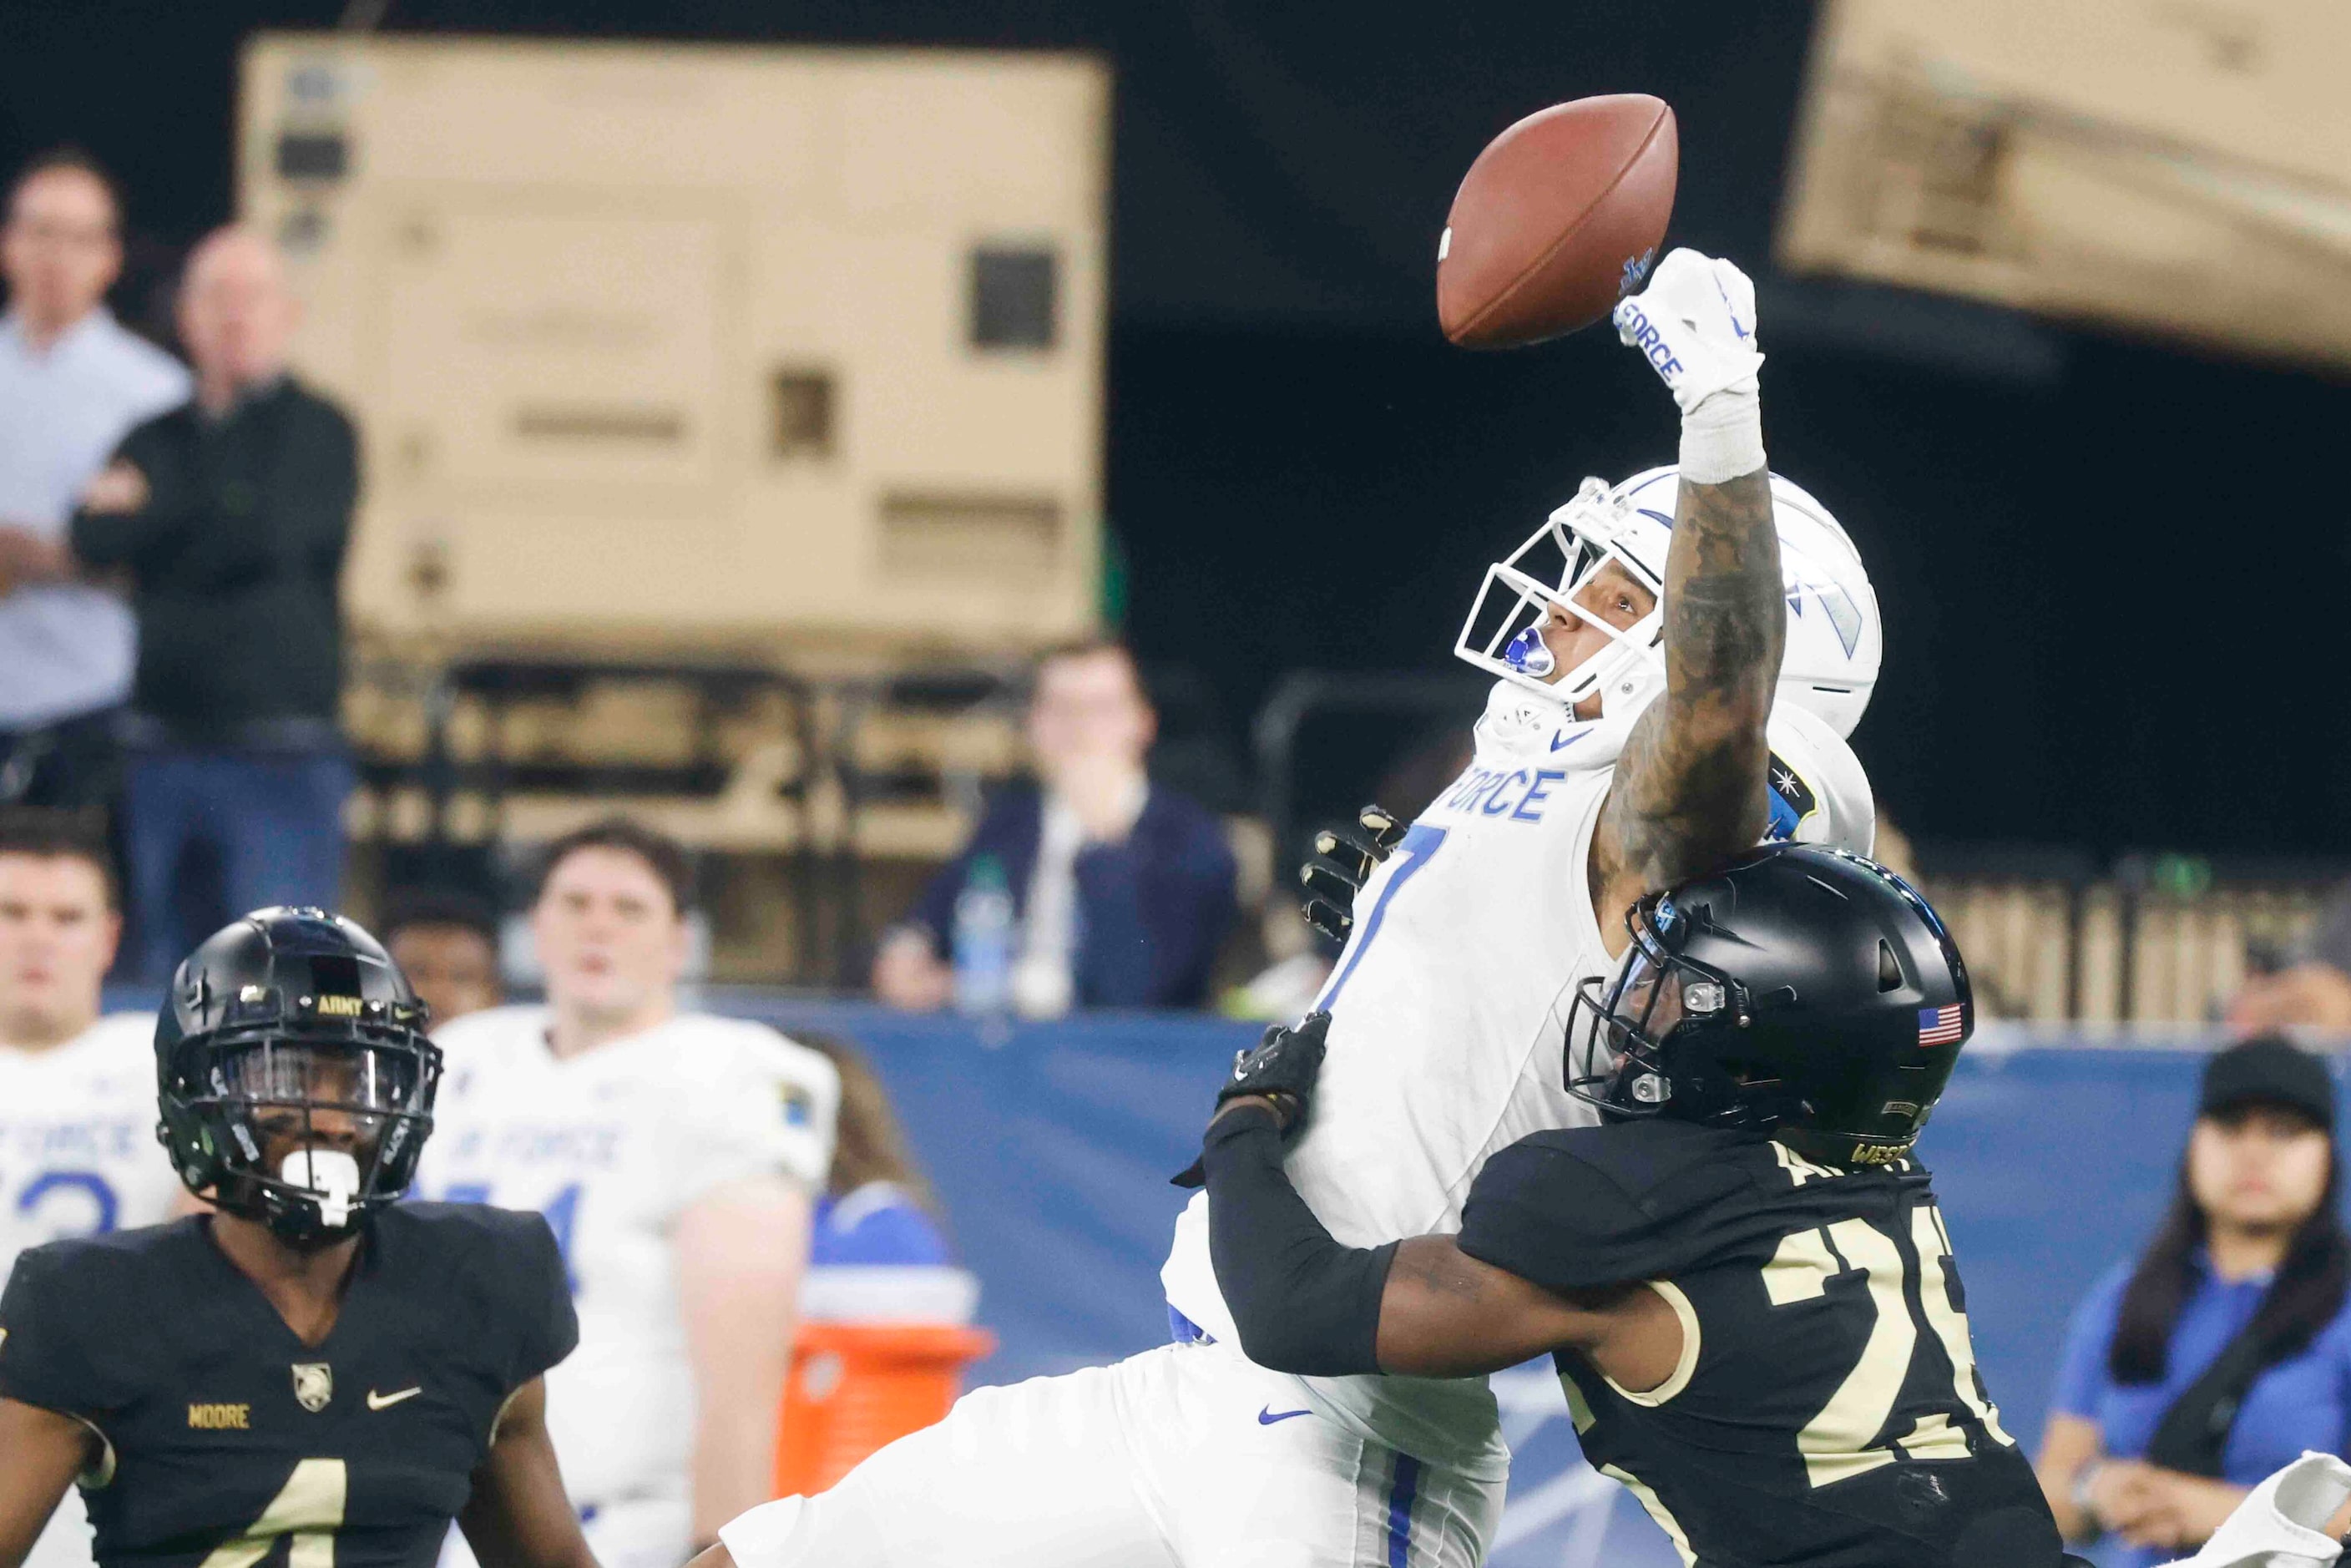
{"points": [[2116, 574]]}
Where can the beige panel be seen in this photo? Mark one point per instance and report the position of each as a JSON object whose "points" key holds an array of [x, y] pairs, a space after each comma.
{"points": [[2170, 165], [562, 286]]}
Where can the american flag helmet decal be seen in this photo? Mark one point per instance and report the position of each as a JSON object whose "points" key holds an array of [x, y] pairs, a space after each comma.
{"points": [[1941, 1026]]}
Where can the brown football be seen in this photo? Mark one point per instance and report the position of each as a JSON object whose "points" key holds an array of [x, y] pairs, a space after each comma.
{"points": [[1561, 215]]}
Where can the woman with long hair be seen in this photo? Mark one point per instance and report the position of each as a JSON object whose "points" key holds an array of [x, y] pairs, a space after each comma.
{"points": [[2223, 1351], [876, 1249]]}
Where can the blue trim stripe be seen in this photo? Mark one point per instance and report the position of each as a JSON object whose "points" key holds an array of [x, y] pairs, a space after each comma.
{"points": [[1402, 1492], [1420, 844]]}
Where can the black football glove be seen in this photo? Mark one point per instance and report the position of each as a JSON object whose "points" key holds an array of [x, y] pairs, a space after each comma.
{"points": [[1283, 1068], [1341, 863]]}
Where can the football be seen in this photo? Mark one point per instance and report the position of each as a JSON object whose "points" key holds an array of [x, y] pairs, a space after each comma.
{"points": [[1559, 217]]}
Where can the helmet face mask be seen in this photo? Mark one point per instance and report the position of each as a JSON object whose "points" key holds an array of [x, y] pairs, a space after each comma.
{"points": [[1544, 574], [1628, 1067], [1834, 639], [294, 1078]]}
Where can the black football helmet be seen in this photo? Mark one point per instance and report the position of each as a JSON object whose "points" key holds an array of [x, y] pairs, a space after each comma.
{"points": [[293, 1073], [1799, 991]]}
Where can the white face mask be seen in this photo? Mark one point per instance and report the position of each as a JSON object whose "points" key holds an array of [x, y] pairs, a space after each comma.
{"points": [[332, 1174]]}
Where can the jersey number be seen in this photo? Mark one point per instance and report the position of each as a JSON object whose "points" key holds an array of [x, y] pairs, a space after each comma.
{"points": [[1837, 1444], [308, 1508], [99, 1202], [1419, 844]]}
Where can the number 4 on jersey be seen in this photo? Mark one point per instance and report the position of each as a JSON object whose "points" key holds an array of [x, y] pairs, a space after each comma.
{"points": [[308, 1508]]}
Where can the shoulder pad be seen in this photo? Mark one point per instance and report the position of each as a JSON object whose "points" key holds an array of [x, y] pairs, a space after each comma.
{"points": [[1599, 1205]]}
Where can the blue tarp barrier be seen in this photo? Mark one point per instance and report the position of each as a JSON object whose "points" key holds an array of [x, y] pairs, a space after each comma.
{"points": [[1051, 1146]]}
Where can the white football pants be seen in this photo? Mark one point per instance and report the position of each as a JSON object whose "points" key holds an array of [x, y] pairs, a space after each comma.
{"points": [[65, 1541], [1183, 1456]]}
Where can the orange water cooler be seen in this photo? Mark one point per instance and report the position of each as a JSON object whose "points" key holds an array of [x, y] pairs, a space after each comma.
{"points": [[855, 1387]]}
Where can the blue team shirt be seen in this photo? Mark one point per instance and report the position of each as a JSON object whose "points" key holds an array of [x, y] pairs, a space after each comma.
{"points": [[878, 1225], [2298, 1403]]}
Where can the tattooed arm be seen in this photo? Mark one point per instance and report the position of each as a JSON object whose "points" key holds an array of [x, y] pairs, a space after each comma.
{"points": [[1689, 789]]}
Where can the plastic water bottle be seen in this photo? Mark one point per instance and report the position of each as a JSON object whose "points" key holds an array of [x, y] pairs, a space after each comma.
{"points": [[983, 940]]}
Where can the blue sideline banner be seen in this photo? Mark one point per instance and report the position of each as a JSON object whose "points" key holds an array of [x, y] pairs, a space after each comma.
{"points": [[1051, 1146]]}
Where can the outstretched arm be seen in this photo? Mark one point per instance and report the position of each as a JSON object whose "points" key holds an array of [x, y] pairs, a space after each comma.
{"points": [[40, 1453], [1305, 1303], [1689, 787]]}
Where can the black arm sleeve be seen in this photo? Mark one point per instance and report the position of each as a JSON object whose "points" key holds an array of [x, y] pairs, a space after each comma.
{"points": [[1303, 1302]]}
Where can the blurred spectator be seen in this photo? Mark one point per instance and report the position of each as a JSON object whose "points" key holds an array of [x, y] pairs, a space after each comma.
{"points": [[1119, 891], [2225, 1349], [72, 383], [676, 1156], [447, 942], [2312, 993], [231, 513], [877, 1254], [77, 1088]]}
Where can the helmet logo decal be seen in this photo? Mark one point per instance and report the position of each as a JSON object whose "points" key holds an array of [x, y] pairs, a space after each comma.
{"points": [[1836, 605], [1529, 654], [1941, 1026]]}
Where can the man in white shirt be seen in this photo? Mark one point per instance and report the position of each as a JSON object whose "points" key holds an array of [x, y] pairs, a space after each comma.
{"points": [[77, 1150], [72, 383], [676, 1156]]}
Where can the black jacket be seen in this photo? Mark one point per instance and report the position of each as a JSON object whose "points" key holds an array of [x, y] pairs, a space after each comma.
{"points": [[1152, 911], [234, 560]]}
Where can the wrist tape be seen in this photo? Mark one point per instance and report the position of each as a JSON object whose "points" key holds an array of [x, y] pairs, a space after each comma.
{"points": [[1722, 437]]}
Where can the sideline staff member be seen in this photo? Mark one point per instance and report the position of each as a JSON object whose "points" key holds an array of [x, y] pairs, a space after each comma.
{"points": [[2224, 1351], [231, 513]]}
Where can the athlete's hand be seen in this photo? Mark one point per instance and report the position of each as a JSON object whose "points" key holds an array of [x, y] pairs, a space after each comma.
{"points": [[1695, 324], [1281, 1072], [1343, 861]]}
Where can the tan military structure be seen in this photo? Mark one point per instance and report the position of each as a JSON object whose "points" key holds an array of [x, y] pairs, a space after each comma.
{"points": [[794, 350]]}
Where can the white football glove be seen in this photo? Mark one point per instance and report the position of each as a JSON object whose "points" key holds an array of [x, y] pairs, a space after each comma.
{"points": [[2283, 1523], [1696, 326], [1696, 323]]}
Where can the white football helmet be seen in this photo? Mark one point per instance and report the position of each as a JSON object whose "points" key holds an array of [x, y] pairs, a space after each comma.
{"points": [[1836, 639]]}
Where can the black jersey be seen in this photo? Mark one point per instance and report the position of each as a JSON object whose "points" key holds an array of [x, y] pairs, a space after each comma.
{"points": [[1827, 1410], [225, 1433]]}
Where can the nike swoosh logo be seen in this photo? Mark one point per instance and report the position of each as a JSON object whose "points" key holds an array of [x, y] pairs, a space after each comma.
{"points": [[1559, 745], [386, 1401], [1269, 1415]]}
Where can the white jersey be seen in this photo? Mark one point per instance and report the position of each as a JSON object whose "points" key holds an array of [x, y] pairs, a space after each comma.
{"points": [[77, 1157], [1450, 1010], [611, 1145]]}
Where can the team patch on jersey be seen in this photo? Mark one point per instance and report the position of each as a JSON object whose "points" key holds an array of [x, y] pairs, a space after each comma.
{"points": [[1792, 800], [314, 1385]]}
